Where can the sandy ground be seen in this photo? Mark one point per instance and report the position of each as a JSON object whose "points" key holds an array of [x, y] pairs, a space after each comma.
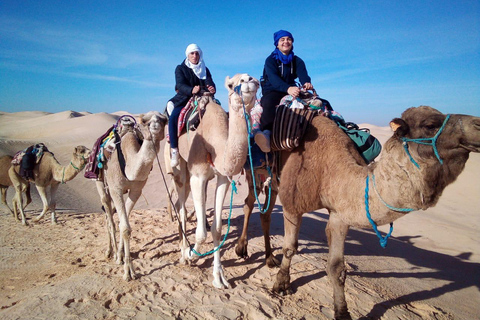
{"points": [[430, 269]]}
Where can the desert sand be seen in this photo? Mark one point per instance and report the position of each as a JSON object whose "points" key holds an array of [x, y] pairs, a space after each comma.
{"points": [[429, 270]]}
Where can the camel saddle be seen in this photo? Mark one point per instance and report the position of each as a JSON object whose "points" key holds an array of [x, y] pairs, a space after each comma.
{"points": [[28, 158]]}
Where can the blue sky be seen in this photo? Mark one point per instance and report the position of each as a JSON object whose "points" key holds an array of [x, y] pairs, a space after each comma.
{"points": [[370, 59]]}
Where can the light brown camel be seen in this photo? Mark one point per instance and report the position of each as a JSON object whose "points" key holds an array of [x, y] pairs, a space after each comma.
{"points": [[262, 178], [5, 182], [48, 173], [113, 183], [325, 171], [218, 147]]}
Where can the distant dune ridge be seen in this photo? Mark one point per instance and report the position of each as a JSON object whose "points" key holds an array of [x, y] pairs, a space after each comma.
{"points": [[430, 269]]}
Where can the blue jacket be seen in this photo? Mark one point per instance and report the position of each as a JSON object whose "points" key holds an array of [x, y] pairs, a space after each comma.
{"points": [[185, 80], [279, 77]]}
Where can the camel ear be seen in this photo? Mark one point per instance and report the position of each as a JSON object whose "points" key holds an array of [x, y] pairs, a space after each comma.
{"points": [[399, 127], [140, 119], [229, 83]]}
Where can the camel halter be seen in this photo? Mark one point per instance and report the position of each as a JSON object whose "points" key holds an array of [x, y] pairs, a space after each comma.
{"points": [[426, 141]]}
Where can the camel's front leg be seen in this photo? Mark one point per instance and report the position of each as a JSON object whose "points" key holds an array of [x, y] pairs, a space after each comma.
{"points": [[336, 231], [42, 191], [292, 228], [197, 184], [4, 199], [17, 204], [266, 219], [107, 204], [53, 201], [219, 280], [242, 244], [125, 233]]}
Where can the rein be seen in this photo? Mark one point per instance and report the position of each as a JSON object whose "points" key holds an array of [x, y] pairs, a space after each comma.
{"points": [[238, 90], [426, 141]]}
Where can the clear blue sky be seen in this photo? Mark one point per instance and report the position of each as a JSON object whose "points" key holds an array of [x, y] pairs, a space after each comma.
{"points": [[370, 59]]}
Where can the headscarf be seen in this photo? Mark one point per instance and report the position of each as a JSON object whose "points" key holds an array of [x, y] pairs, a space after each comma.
{"points": [[199, 69], [277, 54]]}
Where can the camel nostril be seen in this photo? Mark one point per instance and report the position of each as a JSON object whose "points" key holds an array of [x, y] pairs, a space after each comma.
{"points": [[250, 79]]}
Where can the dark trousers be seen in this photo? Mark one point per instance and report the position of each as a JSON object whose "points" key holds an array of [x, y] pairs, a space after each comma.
{"points": [[269, 104], [173, 126]]}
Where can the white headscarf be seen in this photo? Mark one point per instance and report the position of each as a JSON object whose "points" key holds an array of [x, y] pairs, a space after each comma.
{"points": [[199, 69]]}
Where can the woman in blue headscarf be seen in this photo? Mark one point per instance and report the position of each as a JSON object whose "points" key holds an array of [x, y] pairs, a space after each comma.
{"points": [[190, 76], [281, 69]]}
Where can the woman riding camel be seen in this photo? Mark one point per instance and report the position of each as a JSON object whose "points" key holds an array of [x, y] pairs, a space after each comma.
{"points": [[281, 69], [190, 77]]}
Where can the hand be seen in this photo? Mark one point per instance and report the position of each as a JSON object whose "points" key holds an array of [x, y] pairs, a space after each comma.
{"points": [[196, 90], [293, 91], [211, 89], [307, 86]]}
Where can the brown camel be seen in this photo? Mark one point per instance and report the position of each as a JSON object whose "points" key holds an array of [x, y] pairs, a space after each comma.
{"points": [[5, 182], [325, 171], [218, 147], [113, 183], [48, 173]]}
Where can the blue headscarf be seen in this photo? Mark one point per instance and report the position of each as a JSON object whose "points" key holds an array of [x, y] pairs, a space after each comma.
{"points": [[277, 54]]}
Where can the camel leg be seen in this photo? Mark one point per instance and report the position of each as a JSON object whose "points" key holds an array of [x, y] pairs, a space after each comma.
{"points": [[4, 198], [106, 201], [292, 228], [43, 195], [336, 231], [182, 189], [242, 244], [18, 204], [28, 196], [219, 280], [125, 232], [198, 194], [266, 219], [53, 202]]}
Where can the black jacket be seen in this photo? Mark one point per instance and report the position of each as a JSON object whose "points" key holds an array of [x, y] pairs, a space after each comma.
{"points": [[279, 77], [185, 80]]}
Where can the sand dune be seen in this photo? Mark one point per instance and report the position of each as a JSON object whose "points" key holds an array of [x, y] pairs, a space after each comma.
{"points": [[430, 269]]}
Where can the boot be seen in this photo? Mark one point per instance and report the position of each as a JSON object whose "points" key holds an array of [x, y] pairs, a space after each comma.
{"points": [[174, 157], [262, 139]]}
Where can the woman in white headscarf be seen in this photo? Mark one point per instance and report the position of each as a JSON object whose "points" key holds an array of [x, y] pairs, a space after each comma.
{"points": [[190, 77]]}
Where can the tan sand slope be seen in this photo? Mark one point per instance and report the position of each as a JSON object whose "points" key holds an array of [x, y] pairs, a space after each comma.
{"points": [[430, 269]]}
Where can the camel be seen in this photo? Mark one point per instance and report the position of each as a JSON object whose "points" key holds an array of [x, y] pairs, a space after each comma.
{"points": [[5, 182], [113, 183], [218, 147], [48, 173], [325, 171]]}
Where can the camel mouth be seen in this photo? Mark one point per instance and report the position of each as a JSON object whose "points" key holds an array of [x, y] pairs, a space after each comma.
{"points": [[470, 148]]}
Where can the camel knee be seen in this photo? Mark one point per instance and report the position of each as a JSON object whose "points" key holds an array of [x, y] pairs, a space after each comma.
{"points": [[289, 252], [337, 271]]}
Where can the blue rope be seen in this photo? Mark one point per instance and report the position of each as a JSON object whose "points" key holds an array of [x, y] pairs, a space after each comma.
{"points": [[426, 141], [403, 210], [383, 239], [237, 89], [234, 189]]}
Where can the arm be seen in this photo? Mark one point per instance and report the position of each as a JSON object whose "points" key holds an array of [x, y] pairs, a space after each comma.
{"points": [[182, 83], [209, 83], [303, 74]]}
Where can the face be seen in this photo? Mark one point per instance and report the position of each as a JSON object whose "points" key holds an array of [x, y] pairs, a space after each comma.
{"points": [[285, 45], [194, 57]]}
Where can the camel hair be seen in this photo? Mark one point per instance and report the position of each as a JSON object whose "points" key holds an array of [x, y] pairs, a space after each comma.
{"points": [[5, 182], [47, 173], [113, 183], [218, 147], [326, 171]]}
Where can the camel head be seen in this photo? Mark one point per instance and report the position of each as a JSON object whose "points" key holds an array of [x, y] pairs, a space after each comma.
{"points": [[430, 135], [80, 156], [242, 89], [152, 125]]}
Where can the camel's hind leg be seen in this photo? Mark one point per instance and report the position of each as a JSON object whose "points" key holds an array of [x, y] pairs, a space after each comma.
{"points": [[266, 219], [292, 228], [107, 206], [4, 198], [336, 231]]}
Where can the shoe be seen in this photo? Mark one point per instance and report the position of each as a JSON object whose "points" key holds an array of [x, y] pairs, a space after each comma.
{"points": [[262, 139], [174, 158]]}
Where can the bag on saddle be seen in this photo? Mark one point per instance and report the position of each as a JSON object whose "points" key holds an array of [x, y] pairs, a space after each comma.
{"points": [[92, 169], [289, 126], [367, 145]]}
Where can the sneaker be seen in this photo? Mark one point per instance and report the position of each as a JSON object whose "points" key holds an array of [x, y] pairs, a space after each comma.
{"points": [[262, 139], [174, 158]]}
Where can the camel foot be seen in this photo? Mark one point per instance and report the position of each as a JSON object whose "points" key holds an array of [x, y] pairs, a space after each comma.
{"points": [[219, 280], [241, 251], [344, 315], [24, 222], [282, 284], [272, 262], [54, 221], [108, 253]]}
